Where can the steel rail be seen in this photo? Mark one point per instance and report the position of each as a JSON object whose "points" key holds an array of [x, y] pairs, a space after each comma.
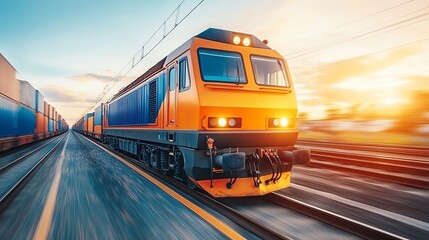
{"points": [[404, 179], [8, 165], [8, 196], [355, 227], [374, 162], [382, 148]]}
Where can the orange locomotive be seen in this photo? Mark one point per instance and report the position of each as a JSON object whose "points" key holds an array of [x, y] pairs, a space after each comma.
{"points": [[218, 113]]}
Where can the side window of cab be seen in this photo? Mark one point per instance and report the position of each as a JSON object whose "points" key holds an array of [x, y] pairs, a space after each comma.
{"points": [[184, 79]]}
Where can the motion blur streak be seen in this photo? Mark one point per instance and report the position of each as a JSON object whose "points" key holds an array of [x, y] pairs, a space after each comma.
{"points": [[203, 214], [46, 218], [394, 216]]}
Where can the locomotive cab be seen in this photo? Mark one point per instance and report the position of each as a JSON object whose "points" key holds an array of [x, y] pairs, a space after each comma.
{"points": [[247, 112]]}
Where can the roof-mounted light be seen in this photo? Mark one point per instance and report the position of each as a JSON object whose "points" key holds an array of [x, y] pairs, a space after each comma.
{"points": [[236, 40], [241, 40], [246, 41]]}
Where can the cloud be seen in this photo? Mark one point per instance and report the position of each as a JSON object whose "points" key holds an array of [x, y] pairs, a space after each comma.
{"points": [[87, 77], [420, 82], [363, 65], [64, 95]]}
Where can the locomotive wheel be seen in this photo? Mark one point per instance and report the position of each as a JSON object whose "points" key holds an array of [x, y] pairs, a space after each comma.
{"points": [[179, 173], [164, 162], [144, 157], [154, 159]]}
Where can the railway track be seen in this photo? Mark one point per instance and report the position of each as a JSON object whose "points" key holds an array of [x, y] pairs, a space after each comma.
{"points": [[419, 151], [247, 223], [260, 229], [7, 196], [407, 170], [10, 164], [360, 229]]}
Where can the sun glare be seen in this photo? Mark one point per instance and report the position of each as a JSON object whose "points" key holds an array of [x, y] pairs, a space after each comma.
{"points": [[391, 101]]}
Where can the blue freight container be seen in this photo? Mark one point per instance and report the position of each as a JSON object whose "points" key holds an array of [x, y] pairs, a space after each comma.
{"points": [[27, 120], [27, 94], [9, 117], [16, 119], [40, 105], [50, 125], [98, 115]]}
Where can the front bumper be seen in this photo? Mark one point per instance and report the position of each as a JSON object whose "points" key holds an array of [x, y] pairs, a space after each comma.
{"points": [[243, 187]]}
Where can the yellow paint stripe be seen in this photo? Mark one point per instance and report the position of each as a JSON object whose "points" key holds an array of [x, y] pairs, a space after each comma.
{"points": [[45, 220], [229, 232]]}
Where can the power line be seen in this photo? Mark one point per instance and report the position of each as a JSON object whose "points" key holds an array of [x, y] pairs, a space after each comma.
{"points": [[351, 22], [341, 42], [373, 53], [141, 53], [382, 50]]}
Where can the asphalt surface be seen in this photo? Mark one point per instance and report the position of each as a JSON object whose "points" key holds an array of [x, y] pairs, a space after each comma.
{"points": [[99, 198]]}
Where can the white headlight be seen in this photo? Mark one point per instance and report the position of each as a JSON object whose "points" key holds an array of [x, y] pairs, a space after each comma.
{"points": [[284, 122], [221, 122], [246, 42], [236, 40]]}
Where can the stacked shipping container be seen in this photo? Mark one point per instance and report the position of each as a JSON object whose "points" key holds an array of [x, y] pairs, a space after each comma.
{"points": [[40, 118], [98, 121], [24, 114]]}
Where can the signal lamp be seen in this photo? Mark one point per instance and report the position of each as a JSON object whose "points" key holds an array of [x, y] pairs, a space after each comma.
{"points": [[213, 122], [236, 40], [276, 122], [246, 41], [231, 122]]}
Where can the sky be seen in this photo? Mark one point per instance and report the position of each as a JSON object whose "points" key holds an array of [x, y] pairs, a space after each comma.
{"points": [[349, 56]]}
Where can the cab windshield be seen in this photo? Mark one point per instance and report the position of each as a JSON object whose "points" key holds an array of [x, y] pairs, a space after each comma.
{"points": [[269, 71], [221, 66]]}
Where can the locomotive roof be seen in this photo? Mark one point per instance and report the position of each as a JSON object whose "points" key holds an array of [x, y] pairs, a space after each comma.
{"points": [[225, 36], [140, 79], [212, 34]]}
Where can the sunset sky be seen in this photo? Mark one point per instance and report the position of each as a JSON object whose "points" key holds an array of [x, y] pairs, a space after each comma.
{"points": [[368, 56]]}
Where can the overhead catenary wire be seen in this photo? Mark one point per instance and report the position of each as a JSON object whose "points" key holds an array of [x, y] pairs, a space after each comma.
{"points": [[352, 22], [373, 32], [141, 53], [416, 42]]}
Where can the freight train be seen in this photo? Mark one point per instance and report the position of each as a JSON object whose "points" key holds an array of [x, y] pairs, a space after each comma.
{"points": [[218, 113], [25, 116]]}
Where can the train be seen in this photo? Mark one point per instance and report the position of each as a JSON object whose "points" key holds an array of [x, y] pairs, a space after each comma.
{"points": [[218, 113], [25, 116]]}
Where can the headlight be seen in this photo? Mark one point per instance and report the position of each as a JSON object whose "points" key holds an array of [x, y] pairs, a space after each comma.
{"points": [[221, 122], [280, 122], [284, 122], [236, 40], [246, 41]]}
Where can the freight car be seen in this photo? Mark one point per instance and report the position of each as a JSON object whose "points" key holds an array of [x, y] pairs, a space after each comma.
{"points": [[25, 116], [218, 113]]}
